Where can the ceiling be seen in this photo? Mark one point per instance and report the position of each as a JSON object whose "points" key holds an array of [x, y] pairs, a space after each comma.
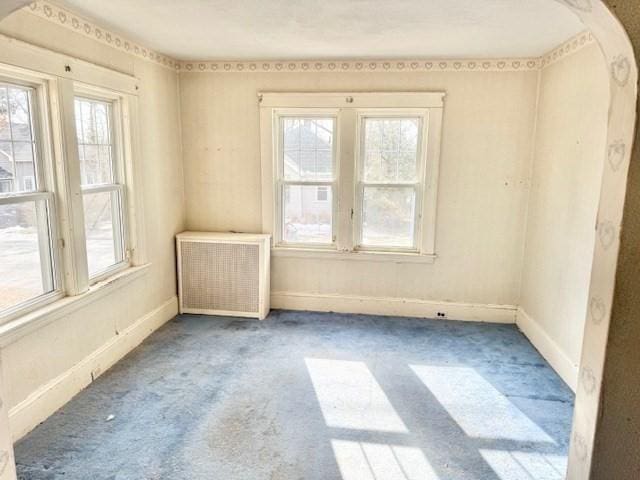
{"points": [[336, 29]]}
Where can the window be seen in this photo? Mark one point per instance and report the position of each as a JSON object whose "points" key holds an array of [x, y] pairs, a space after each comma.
{"points": [[390, 181], [351, 172], [27, 256], [306, 167], [70, 215], [101, 190]]}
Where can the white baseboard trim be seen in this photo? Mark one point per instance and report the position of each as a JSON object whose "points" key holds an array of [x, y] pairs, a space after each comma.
{"points": [[43, 402], [403, 307], [548, 348]]}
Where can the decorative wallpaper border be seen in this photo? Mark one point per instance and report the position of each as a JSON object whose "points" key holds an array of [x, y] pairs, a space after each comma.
{"points": [[570, 46], [565, 49], [437, 65], [76, 23], [65, 18]]}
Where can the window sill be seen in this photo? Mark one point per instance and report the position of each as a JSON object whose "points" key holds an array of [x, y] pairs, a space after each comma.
{"points": [[18, 327], [363, 256]]}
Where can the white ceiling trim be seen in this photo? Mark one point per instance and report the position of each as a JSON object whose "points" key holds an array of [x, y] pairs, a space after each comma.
{"points": [[80, 25]]}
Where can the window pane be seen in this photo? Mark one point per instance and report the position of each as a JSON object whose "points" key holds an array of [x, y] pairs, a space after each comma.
{"points": [[25, 260], [388, 218], [94, 141], [5, 131], [104, 239], [20, 112], [17, 145], [307, 148], [391, 149], [306, 218]]}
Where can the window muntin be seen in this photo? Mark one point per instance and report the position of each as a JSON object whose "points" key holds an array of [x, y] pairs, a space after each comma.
{"points": [[101, 191], [27, 216], [390, 182], [306, 163], [403, 147]]}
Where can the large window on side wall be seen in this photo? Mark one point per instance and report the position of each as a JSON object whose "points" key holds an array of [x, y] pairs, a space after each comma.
{"points": [[70, 215], [101, 178], [351, 173], [28, 251]]}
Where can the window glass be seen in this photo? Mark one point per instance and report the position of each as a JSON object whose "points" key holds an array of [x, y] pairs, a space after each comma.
{"points": [[95, 146], [388, 218], [306, 220], [17, 142], [390, 182], [391, 149], [307, 148], [102, 195], [25, 253], [102, 240], [307, 175]]}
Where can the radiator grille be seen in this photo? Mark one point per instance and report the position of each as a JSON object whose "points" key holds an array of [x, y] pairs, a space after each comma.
{"points": [[220, 276]]}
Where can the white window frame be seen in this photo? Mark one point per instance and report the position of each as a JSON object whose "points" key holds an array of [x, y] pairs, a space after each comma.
{"points": [[279, 182], [119, 202], [45, 181], [57, 77], [352, 107], [418, 186]]}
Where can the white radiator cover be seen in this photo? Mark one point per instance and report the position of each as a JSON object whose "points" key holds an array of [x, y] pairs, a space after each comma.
{"points": [[224, 273]]}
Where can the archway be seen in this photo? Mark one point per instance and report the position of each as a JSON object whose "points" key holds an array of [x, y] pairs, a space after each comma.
{"points": [[618, 52]]}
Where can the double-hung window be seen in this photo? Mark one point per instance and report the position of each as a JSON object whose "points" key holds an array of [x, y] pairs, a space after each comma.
{"points": [[70, 215], [27, 212], [390, 180], [306, 178], [351, 172], [102, 190]]}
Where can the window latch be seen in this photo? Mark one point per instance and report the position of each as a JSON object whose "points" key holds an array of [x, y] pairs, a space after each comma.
{"points": [[352, 214]]}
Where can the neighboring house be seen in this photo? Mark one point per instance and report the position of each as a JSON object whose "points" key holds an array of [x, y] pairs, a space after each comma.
{"points": [[6, 178], [308, 156], [16, 162]]}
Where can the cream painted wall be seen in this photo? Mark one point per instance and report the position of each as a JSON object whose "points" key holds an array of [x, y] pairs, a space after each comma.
{"points": [[483, 189], [567, 172], [33, 362]]}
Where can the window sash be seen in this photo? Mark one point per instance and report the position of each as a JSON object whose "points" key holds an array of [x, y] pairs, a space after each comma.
{"points": [[42, 196], [417, 186], [281, 183], [116, 188]]}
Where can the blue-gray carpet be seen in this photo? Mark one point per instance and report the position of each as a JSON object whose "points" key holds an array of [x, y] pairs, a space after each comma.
{"points": [[311, 396]]}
